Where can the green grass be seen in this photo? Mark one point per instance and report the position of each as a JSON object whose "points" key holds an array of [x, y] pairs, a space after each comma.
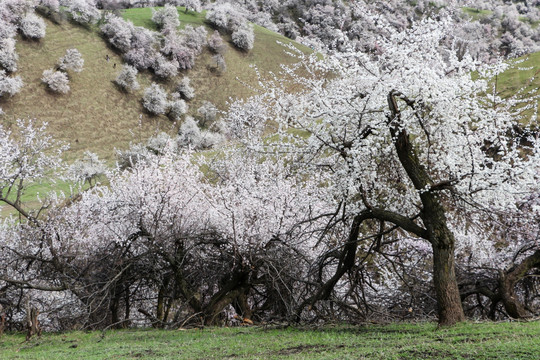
{"points": [[522, 78], [396, 341], [475, 13]]}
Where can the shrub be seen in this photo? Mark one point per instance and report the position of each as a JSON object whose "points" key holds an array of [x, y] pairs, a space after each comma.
{"points": [[127, 78], [9, 85], [32, 26], [166, 17], [57, 81], [155, 99], [8, 56], [71, 61], [184, 89], [177, 108], [244, 37]]}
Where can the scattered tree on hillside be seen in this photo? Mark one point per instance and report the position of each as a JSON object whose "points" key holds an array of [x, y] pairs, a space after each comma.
{"points": [[72, 61], [218, 64], [191, 5], [225, 16], [185, 89], [127, 78], [87, 169], [56, 81], [216, 44], [166, 17], [208, 114], [8, 55], [155, 99], [9, 85], [83, 12], [195, 38], [32, 26], [177, 108], [165, 68], [119, 32], [243, 38]]}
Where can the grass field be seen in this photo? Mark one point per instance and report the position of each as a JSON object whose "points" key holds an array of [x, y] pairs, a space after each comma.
{"points": [[395, 341]]}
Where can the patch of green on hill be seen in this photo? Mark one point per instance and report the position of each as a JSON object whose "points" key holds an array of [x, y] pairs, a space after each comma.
{"points": [[395, 341], [476, 13], [523, 79]]}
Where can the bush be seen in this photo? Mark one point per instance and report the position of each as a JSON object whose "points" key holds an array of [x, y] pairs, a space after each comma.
{"points": [[57, 81], [127, 78], [71, 61], [9, 85], [32, 26], [166, 17], [184, 89], [244, 37], [8, 56], [177, 108], [155, 99]]}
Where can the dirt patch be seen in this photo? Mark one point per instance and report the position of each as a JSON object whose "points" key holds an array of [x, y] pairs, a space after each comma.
{"points": [[305, 348]]}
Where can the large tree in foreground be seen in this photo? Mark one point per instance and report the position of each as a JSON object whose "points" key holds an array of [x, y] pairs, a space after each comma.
{"points": [[409, 138]]}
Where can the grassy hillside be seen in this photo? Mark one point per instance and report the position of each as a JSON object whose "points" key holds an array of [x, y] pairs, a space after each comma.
{"points": [[397, 341], [523, 78], [95, 115]]}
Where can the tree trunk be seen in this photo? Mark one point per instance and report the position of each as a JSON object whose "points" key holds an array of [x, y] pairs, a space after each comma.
{"points": [[450, 310], [508, 281]]}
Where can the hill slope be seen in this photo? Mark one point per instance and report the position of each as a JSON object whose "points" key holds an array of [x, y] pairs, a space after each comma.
{"points": [[95, 115]]}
